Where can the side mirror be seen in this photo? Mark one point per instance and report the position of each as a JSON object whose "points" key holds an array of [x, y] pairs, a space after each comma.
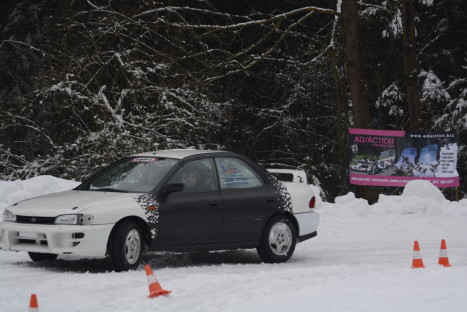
{"points": [[173, 188]]}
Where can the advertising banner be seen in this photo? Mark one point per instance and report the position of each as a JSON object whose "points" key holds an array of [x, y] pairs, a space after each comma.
{"points": [[393, 158]]}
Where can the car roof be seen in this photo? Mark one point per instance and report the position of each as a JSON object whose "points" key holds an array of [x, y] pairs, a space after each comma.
{"points": [[178, 153]]}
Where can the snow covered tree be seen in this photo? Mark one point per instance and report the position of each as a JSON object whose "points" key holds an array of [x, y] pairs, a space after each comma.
{"points": [[85, 82]]}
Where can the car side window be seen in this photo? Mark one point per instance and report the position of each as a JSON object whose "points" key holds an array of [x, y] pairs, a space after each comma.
{"points": [[197, 176], [235, 173]]}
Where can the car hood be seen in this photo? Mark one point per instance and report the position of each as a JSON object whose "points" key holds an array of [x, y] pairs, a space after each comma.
{"points": [[67, 202]]}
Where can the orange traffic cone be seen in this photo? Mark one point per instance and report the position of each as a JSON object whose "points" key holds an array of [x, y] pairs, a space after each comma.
{"points": [[155, 288], [417, 261], [33, 306], [443, 255]]}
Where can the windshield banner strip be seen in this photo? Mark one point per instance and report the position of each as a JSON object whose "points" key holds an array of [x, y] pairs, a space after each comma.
{"points": [[145, 159]]}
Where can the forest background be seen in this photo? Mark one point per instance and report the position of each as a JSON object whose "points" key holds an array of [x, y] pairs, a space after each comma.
{"points": [[83, 83]]}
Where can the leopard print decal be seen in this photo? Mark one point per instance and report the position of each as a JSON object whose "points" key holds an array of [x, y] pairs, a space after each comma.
{"points": [[151, 210], [285, 200]]}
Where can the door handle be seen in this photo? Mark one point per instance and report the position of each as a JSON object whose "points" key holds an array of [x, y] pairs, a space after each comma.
{"points": [[270, 199], [213, 203]]}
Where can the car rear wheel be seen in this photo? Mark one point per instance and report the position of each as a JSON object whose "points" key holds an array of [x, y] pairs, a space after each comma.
{"points": [[36, 256], [126, 247], [278, 240]]}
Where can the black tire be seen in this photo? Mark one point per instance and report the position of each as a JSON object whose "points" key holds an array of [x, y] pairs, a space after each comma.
{"points": [[126, 247], [278, 240], [36, 256]]}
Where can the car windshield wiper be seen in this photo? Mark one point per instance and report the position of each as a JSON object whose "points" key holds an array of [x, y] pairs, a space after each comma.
{"points": [[109, 189]]}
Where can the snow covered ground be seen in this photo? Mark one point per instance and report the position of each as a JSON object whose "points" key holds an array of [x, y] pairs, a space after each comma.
{"points": [[360, 261]]}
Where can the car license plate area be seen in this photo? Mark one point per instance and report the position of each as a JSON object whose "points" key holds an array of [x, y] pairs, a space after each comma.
{"points": [[32, 238]]}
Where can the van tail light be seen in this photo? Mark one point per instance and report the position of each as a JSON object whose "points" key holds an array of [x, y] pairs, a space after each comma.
{"points": [[312, 202]]}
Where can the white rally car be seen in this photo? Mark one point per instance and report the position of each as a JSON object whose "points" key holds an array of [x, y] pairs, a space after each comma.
{"points": [[175, 200]]}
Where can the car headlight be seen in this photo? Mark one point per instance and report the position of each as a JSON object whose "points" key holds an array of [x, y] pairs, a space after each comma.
{"points": [[9, 216], [74, 219], [67, 219]]}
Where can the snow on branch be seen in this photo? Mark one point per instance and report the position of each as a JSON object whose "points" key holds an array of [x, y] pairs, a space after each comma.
{"points": [[257, 22]]}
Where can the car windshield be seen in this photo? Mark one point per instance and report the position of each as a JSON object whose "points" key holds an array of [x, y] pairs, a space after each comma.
{"points": [[136, 174]]}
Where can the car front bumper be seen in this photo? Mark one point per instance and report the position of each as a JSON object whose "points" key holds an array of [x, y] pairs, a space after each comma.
{"points": [[79, 240]]}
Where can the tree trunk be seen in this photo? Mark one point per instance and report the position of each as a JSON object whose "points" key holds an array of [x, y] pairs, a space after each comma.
{"points": [[410, 66], [358, 92], [342, 123]]}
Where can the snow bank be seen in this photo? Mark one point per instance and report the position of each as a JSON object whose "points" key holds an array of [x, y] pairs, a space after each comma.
{"points": [[418, 198], [424, 189], [14, 191]]}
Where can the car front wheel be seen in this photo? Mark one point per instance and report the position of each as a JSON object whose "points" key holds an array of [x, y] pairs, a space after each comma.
{"points": [[278, 241], [126, 247]]}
